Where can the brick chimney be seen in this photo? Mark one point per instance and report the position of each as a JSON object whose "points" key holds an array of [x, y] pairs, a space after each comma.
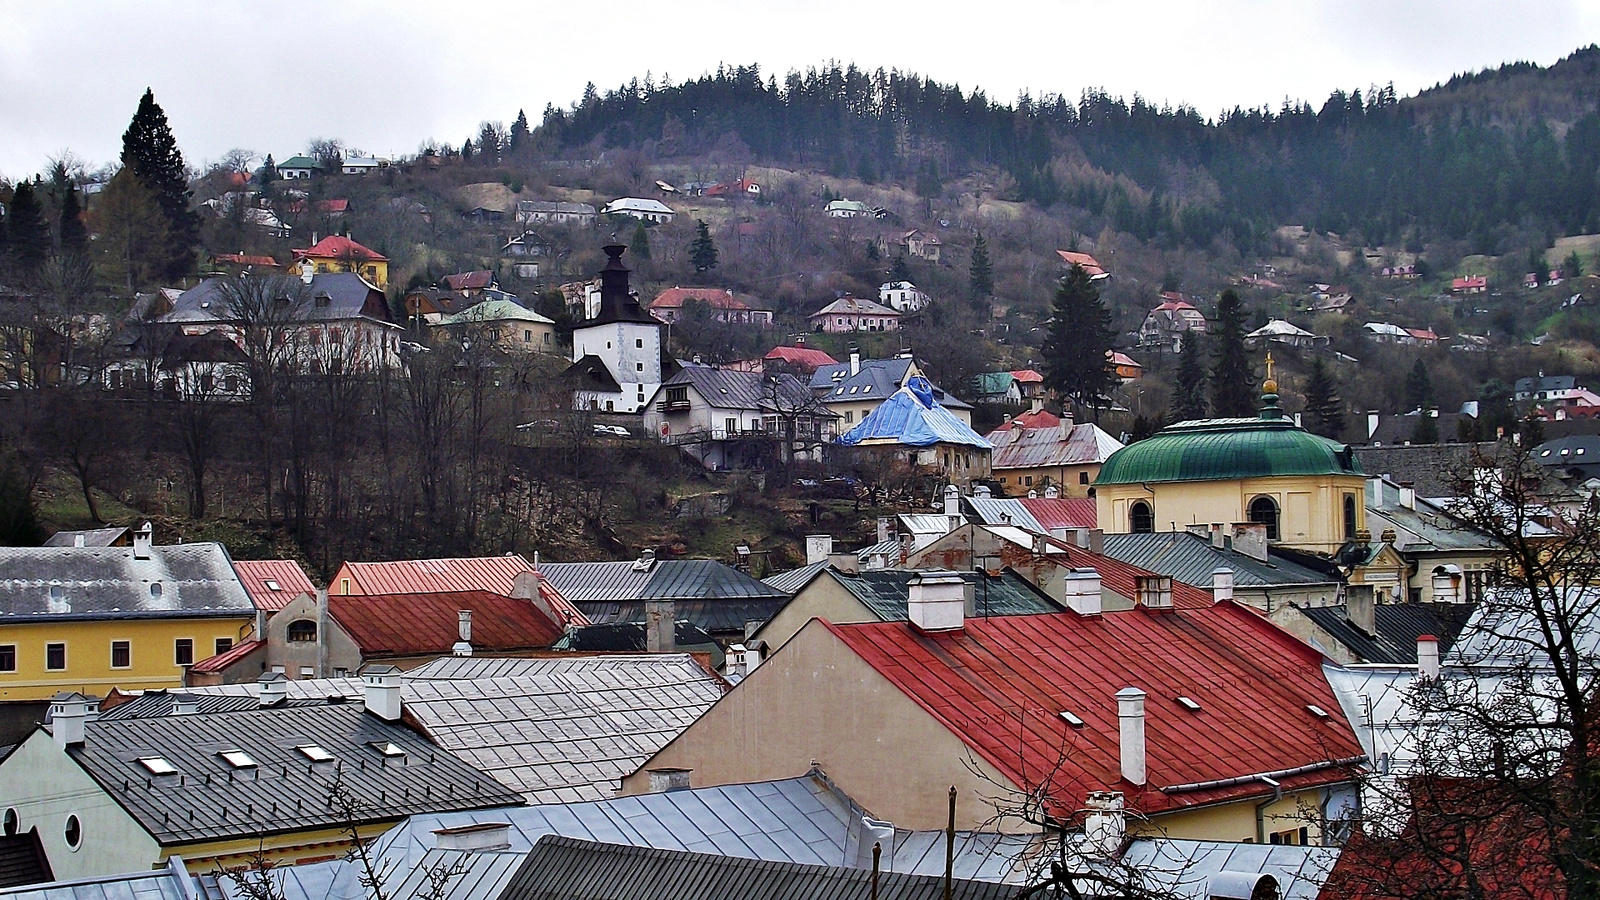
{"points": [[1428, 657], [1155, 592], [1130, 726], [1358, 603], [69, 710], [937, 601], [141, 541], [382, 692]]}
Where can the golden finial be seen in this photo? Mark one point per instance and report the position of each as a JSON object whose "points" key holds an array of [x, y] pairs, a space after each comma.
{"points": [[1270, 386]]}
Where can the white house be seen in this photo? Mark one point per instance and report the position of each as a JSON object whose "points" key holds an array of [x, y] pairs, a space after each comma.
{"points": [[298, 168], [640, 208], [728, 419], [558, 212], [616, 356], [902, 296], [1279, 331], [848, 209], [361, 165]]}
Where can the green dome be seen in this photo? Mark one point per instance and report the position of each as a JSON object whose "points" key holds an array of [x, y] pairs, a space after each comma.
{"points": [[1228, 449]]}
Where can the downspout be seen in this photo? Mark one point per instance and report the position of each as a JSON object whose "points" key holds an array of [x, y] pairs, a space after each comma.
{"points": [[1261, 808]]}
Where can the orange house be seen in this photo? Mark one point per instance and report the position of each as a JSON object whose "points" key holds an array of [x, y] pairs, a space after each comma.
{"points": [[337, 253]]}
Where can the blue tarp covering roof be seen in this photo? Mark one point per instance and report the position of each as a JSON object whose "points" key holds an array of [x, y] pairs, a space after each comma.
{"points": [[912, 417]]}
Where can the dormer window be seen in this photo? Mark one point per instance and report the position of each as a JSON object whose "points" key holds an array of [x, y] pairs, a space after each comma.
{"points": [[272, 585], [156, 765], [389, 749], [155, 590], [238, 759], [315, 753]]}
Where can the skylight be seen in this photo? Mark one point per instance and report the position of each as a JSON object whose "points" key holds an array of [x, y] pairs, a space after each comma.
{"points": [[388, 748], [272, 585], [1188, 703], [1317, 711], [1072, 720], [238, 759], [157, 766], [315, 753]]}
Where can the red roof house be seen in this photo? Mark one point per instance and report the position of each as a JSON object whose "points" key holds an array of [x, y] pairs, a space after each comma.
{"points": [[1063, 512], [495, 574], [802, 358], [243, 259], [668, 305], [337, 246], [1089, 263], [1470, 284], [273, 582], [398, 625], [469, 281]]}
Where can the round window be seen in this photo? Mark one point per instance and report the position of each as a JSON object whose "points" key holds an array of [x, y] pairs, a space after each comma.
{"points": [[13, 822], [73, 833]]}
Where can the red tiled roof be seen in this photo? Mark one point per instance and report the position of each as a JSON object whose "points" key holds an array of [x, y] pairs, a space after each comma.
{"points": [[1252, 680], [213, 665], [244, 259], [1063, 512], [1027, 376], [469, 281], [291, 581], [336, 246], [1422, 334], [1176, 304], [1044, 418], [401, 624], [802, 357], [1123, 578], [331, 206], [495, 574], [717, 298], [1470, 281], [1089, 263], [1123, 359]]}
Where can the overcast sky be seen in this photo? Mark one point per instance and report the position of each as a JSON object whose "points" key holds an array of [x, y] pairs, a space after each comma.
{"points": [[385, 76]]}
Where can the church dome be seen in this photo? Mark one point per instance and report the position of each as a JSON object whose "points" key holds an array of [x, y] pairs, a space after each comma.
{"points": [[1227, 450]]}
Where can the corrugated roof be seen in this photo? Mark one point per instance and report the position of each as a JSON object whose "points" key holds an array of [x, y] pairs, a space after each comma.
{"points": [[717, 298], [473, 875], [22, 860], [1064, 445], [718, 617], [1182, 870], [1191, 559], [331, 296], [1063, 512], [560, 868], [887, 591], [155, 703], [94, 537], [912, 418], [1002, 511], [876, 379], [210, 800], [855, 306], [792, 581], [730, 389], [469, 281], [410, 624], [1425, 527], [803, 358], [1253, 682], [271, 583], [170, 882], [496, 574], [1398, 625], [664, 579], [1224, 449], [66, 583]]}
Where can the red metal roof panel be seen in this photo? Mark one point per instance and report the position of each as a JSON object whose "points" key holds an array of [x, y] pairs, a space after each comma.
{"points": [[495, 574], [272, 583], [402, 624]]}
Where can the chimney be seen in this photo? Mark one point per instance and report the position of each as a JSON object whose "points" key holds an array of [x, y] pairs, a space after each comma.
{"points": [[981, 491], [1358, 603], [68, 712], [1097, 541], [479, 837], [1106, 825], [185, 704], [847, 563], [1155, 592], [855, 360], [1081, 592], [274, 688], [382, 692], [1221, 584], [1250, 538], [754, 652], [1428, 657], [937, 601], [820, 546], [663, 780], [660, 626], [1130, 722], [527, 586], [463, 646], [1408, 495], [952, 501], [141, 541], [77, 540], [1217, 538], [1372, 422], [1037, 405], [884, 525]]}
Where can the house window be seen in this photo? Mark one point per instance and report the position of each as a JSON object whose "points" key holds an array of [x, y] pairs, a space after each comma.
{"points": [[639, 366], [121, 655], [1083, 477], [344, 586], [527, 335], [1141, 518], [302, 631], [55, 657], [732, 425], [547, 338], [73, 832], [1264, 511], [183, 651], [1349, 517], [8, 657], [849, 417], [1027, 481], [307, 672], [208, 382], [639, 343], [223, 645]]}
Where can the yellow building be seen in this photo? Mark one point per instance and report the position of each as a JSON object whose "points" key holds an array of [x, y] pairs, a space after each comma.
{"points": [[1037, 450], [87, 619], [1305, 491], [503, 326], [336, 253]]}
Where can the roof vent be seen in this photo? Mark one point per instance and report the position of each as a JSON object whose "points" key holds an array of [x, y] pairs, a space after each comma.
{"points": [[1155, 592], [185, 704], [274, 688], [479, 837], [645, 561]]}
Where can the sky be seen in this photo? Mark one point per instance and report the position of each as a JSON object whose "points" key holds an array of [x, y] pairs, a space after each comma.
{"points": [[387, 76]]}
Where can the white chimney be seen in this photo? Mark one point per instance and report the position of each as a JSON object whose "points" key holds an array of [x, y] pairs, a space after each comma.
{"points": [[937, 601], [660, 626], [981, 492], [141, 541], [478, 837], [1130, 722], [1218, 539], [1221, 584], [1037, 405], [1106, 824], [884, 529], [274, 688], [382, 692], [1358, 601], [1082, 592], [1372, 422], [185, 704], [952, 500], [753, 653], [1408, 495], [855, 361], [1428, 657], [68, 712], [463, 646], [819, 547], [77, 540]]}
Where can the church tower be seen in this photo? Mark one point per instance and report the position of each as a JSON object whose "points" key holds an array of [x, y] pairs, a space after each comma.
{"points": [[617, 355]]}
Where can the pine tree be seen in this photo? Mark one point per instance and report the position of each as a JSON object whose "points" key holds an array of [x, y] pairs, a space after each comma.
{"points": [[1233, 387], [1419, 387], [269, 171], [70, 230], [640, 245], [28, 234], [1077, 348], [1573, 268], [149, 149], [980, 277], [520, 141], [131, 232], [1189, 395], [1324, 409], [703, 251], [488, 145]]}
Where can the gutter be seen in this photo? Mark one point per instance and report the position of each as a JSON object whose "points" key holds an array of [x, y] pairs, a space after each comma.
{"points": [[1265, 776]]}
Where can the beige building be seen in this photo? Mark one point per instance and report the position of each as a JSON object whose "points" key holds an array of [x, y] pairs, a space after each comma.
{"points": [[506, 325]]}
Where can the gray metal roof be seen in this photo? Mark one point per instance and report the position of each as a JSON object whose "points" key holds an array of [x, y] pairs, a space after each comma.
{"points": [[877, 379], [792, 581], [1183, 869], [171, 882], [716, 617], [1191, 559], [331, 296], [887, 593], [473, 875], [309, 689], [1398, 626], [728, 389], [665, 579], [208, 799], [93, 537], [1422, 527], [1003, 511], [797, 820], [63, 583], [560, 868]]}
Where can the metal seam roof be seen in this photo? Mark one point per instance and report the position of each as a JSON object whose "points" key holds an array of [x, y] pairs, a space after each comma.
{"points": [[1224, 449]]}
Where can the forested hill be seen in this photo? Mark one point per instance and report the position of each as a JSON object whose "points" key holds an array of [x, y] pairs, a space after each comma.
{"points": [[1484, 158]]}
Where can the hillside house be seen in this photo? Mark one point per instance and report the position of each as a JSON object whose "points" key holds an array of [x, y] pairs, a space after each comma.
{"points": [[728, 419], [1124, 366], [903, 296], [527, 244], [1070, 258], [1166, 325], [848, 209], [799, 358], [619, 356], [362, 165], [645, 210], [506, 325], [725, 307], [921, 245], [1403, 273], [1279, 331], [1470, 284], [848, 314], [854, 389], [1047, 451], [912, 427], [555, 212], [298, 168], [337, 253]]}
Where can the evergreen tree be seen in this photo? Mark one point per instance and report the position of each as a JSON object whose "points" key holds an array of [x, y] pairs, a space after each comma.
{"points": [[1189, 394], [269, 171], [928, 183], [520, 141], [980, 277], [19, 520], [1233, 387], [149, 149], [130, 249], [1324, 409], [640, 245], [70, 230], [1419, 387], [898, 270], [703, 251], [28, 234], [1078, 346], [488, 145], [1573, 267]]}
